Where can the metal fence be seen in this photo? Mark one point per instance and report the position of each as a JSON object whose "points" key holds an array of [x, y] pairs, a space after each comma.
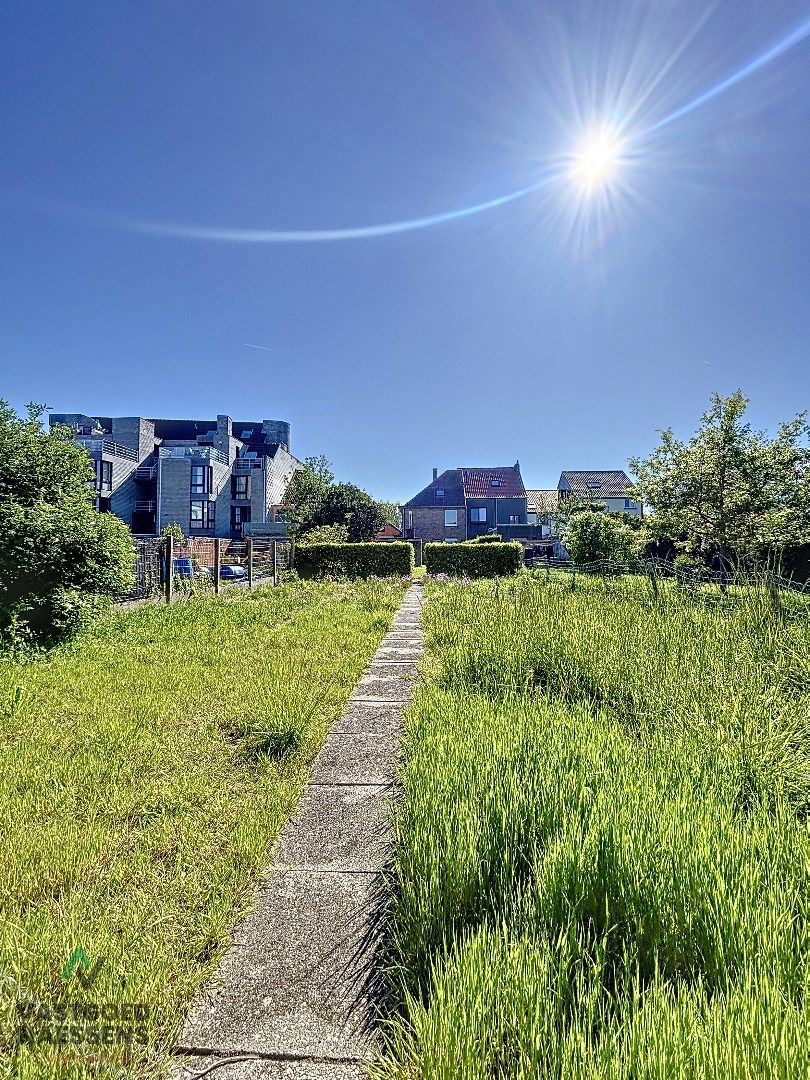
{"points": [[164, 566], [687, 577]]}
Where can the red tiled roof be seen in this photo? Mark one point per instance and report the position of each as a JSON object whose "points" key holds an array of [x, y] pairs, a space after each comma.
{"points": [[478, 483]]}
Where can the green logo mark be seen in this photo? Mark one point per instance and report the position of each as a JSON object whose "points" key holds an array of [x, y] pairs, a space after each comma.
{"points": [[79, 963]]}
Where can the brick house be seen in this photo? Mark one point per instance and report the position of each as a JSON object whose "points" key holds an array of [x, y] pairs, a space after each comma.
{"points": [[462, 503], [212, 477]]}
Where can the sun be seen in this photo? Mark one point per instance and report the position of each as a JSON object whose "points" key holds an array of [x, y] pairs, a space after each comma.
{"points": [[597, 160]]}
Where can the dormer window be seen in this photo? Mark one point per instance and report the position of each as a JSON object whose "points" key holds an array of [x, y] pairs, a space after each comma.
{"points": [[594, 485], [440, 491], [495, 482]]}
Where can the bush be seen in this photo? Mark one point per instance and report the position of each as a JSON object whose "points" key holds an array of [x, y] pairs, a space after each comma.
{"points": [[325, 534], [393, 559], [474, 560], [486, 538], [593, 535]]}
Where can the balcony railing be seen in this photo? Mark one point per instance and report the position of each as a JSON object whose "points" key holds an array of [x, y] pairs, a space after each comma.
{"points": [[107, 446], [145, 506], [246, 465], [196, 453], [145, 472]]}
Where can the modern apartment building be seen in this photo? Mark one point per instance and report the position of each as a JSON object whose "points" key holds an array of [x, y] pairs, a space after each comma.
{"points": [[218, 477]]}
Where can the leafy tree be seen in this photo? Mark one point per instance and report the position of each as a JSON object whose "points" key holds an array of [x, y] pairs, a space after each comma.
{"points": [[730, 491], [305, 494], [346, 504], [174, 530], [591, 535], [58, 555], [392, 513], [325, 534]]}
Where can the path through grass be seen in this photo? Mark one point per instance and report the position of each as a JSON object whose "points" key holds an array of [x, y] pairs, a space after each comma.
{"points": [[602, 849], [145, 769]]}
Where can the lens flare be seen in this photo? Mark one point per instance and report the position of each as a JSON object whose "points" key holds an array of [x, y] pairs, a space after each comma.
{"points": [[597, 160]]}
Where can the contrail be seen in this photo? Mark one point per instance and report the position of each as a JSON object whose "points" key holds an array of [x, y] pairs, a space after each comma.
{"points": [[311, 236], [795, 38], [264, 348]]}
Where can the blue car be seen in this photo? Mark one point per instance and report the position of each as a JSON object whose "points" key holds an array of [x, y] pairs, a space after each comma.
{"points": [[232, 571]]}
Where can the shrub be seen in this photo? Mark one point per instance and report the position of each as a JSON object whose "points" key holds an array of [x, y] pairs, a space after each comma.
{"points": [[474, 560], [58, 556], [325, 534], [486, 538], [393, 559], [593, 535]]}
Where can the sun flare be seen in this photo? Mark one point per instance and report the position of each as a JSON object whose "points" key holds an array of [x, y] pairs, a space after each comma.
{"points": [[597, 160]]}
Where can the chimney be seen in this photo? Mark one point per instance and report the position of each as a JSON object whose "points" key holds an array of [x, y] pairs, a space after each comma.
{"points": [[435, 474], [517, 466]]}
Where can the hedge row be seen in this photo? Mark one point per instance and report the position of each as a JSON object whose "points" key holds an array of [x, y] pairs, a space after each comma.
{"points": [[474, 560], [394, 559]]}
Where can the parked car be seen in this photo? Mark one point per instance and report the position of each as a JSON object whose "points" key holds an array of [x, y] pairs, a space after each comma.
{"points": [[232, 570], [188, 568]]}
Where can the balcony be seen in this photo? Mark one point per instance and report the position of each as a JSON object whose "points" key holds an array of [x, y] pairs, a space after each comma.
{"points": [[107, 446], [144, 506], [146, 473], [245, 465], [195, 453]]}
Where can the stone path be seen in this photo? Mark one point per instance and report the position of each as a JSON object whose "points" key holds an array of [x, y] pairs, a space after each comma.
{"points": [[289, 1001]]}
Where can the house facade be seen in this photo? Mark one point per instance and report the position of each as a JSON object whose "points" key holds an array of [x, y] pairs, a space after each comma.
{"points": [[463, 503], [611, 488], [218, 477]]}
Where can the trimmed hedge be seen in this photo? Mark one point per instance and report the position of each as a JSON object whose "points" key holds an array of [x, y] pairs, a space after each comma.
{"points": [[474, 560], [389, 559]]}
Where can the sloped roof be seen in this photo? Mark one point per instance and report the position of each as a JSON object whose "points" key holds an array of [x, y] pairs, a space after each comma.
{"points": [[449, 483], [478, 483], [607, 484], [542, 500]]}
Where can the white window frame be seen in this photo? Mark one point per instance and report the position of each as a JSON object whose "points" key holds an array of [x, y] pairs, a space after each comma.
{"points": [[451, 519]]}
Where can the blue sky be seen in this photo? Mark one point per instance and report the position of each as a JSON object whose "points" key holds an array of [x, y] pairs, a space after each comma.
{"points": [[561, 328]]}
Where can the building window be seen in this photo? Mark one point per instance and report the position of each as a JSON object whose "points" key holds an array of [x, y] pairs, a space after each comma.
{"points": [[494, 482], [450, 518], [104, 475], [240, 487], [629, 504], [410, 519], [240, 515], [531, 517], [200, 479], [514, 519], [478, 514], [202, 514], [439, 492]]}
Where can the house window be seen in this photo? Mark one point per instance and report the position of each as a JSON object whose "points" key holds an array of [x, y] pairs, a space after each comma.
{"points": [[439, 492], [514, 519], [478, 514], [202, 514], [200, 479], [104, 475], [240, 515], [240, 487], [531, 517], [410, 519], [629, 504], [494, 482], [594, 485], [450, 518]]}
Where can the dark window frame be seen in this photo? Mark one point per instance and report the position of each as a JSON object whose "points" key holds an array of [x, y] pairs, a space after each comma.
{"points": [[208, 514], [240, 480], [202, 486], [475, 515]]}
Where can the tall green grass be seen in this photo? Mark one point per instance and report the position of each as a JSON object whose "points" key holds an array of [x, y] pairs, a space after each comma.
{"points": [[145, 769], [602, 855]]}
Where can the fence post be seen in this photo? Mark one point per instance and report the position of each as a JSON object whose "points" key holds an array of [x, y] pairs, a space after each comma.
{"points": [[217, 550], [250, 561], [275, 562], [168, 583]]}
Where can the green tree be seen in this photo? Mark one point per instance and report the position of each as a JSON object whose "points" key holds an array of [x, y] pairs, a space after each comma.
{"points": [[349, 505], [392, 513], [57, 554], [305, 494], [591, 535], [730, 490]]}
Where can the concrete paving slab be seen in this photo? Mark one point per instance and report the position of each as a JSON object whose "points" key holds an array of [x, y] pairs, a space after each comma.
{"points": [[357, 759], [338, 829], [369, 718], [379, 669], [289, 985], [399, 652], [224, 1068], [395, 689]]}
